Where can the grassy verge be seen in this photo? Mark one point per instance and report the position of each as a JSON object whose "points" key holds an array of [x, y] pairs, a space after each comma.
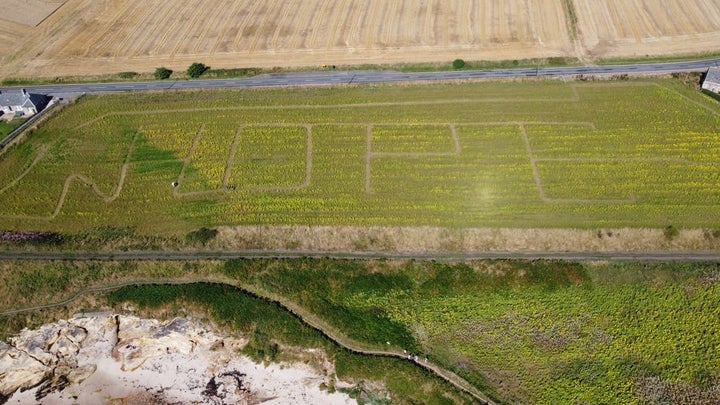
{"points": [[238, 73], [533, 332], [657, 59], [7, 127], [471, 65]]}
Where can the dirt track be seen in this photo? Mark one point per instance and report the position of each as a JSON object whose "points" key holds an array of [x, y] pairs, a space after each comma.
{"points": [[88, 37]]}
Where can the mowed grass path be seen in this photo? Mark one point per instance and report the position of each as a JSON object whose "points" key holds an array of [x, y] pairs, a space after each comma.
{"points": [[519, 154]]}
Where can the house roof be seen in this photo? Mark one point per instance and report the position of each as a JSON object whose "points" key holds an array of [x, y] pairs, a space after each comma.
{"points": [[20, 98], [14, 99], [712, 76]]}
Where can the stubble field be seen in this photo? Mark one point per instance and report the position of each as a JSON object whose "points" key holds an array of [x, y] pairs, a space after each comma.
{"points": [[89, 37], [614, 28], [99, 36], [519, 155]]}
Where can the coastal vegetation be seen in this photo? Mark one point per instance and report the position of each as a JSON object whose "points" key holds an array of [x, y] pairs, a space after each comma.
{"points": [[539, 331]]}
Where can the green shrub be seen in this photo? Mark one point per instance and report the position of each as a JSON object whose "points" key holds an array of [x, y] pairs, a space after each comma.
{"points": [[458, 64], [196, 69], [232, 73], [127, 75], [670, 232], [711, 94], [162, 73], [202, 235]]}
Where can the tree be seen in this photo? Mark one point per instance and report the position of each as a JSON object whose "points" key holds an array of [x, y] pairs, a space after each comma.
{"points": [[162, 73], [197, 69], [458, 64]]}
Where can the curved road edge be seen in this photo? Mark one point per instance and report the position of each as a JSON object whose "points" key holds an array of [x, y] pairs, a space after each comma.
{"points": [[295, 310]]}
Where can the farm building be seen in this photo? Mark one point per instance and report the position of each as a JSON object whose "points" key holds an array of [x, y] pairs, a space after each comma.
{"points": [[21, 102], [712, 80]]}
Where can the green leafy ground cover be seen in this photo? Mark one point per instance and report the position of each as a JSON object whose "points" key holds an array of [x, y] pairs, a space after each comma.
{"points": [[515, 154], [7, 127], [270, 328], [534, 332]]}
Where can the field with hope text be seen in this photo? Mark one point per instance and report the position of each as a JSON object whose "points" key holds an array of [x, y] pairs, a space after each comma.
{"points": [[541, 154]]}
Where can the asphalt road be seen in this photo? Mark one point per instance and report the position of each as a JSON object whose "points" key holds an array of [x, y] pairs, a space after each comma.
{"points": [[190, 255], [370, 76]]}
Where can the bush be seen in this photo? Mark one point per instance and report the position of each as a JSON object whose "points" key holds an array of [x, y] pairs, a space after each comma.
{"points": [[127, 75], [162, 73], [196, 70], [670, 232], [202, 235], [458, 64], [711, 94]]}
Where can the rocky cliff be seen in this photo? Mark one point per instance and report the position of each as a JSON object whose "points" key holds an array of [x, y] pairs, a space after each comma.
{"points": [[103, 357]]}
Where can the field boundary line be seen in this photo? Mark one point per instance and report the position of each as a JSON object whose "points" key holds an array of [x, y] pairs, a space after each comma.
{"points": [[186, 162], [457, 149], [308, 165], [229, 163], [625, 159], [41, 154], [541, 189], [321, 106], [81, 178], [368, 158], [370, 154], [705, 107], [231, 156]]}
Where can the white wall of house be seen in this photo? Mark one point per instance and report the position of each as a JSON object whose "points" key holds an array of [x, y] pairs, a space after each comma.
{"points": [[715, 87]]}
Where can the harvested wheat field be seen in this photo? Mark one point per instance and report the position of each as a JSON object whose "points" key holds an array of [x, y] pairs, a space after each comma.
{"points": [[89, 37], [628, 28], [17, 19], [96, 36]]}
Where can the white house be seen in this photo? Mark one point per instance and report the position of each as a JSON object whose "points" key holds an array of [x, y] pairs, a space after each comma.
{"points": [[21, 102], [712, 80]]}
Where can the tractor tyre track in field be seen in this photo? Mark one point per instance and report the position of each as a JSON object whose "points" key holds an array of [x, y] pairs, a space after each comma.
{"points": [[80, 178]]}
